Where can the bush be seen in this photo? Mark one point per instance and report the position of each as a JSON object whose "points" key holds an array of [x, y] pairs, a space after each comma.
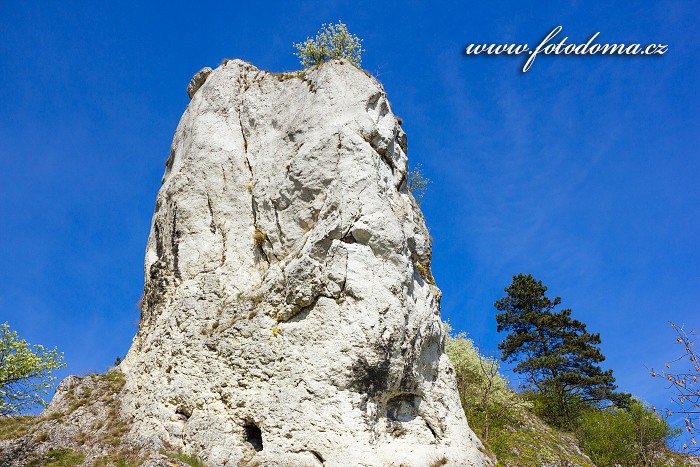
{"points": [[25, 372], [417, 183], [486, 398], [626, 437], [332, 42]]}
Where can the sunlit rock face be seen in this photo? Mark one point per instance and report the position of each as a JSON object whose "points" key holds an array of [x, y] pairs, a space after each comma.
{"points": [[289, 315]]}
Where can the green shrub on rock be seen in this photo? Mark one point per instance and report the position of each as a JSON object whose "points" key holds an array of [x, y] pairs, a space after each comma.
{"points": [[333, 41]]}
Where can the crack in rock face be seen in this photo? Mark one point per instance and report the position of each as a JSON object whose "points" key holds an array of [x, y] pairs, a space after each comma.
{"points": [[285, 320]]}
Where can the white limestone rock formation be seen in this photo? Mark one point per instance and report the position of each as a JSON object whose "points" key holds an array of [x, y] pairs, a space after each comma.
{"points": [[289, 315]]}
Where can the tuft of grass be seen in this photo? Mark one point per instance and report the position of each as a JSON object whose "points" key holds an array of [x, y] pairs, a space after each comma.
{"points": [[58, 415], [77, 403], [259, 237], [114, 378], [81, 437], [189, 459], [122, 457], [115, 432], [15, 426], [425, 273], [59, 458], [290, 75]]}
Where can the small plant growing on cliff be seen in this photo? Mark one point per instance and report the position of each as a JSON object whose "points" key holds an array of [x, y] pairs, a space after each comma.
{"points": [[259, 238], [333, 41], [425, 273], [417, 182], [25, 372]]}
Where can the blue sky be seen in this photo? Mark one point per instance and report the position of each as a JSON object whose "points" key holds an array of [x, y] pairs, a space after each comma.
{"points": [[583, 171]]}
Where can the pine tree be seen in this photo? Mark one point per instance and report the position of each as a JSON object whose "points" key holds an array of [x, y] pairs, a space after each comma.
{"points": [[555, 352]]}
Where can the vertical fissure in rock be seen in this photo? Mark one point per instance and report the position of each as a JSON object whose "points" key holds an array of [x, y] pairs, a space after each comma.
{"points": [[277, 224], [245, 140], [212, 224], [174, 243], [318, 456], [214, 227], [337, 153], [159, 240]]}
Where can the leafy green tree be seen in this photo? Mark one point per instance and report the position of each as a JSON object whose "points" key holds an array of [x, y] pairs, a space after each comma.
{"points": [[554, 351], [25, 372], [624, 437], [333, 41], [486, 397]]}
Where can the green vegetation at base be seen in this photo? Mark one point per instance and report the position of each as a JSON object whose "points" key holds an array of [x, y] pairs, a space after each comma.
{"points": [[58, 458], [189, 459], [501, 417], [626, 437], [487, 400], [15, 426], [570, 408]]}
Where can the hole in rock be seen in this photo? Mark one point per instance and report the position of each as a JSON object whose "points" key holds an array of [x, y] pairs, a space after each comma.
{"points": [[254, 436], [348, 239], [403, 408], [184, 412]]}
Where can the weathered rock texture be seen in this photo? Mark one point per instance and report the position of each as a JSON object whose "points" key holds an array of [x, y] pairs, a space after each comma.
{"points": [[289, 316]]}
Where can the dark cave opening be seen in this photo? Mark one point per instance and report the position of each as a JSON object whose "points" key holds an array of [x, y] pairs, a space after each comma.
{"points": [[253, 435]]}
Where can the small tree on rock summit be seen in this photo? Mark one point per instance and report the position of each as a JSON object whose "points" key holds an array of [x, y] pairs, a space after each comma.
{"points": [[333, 41]]}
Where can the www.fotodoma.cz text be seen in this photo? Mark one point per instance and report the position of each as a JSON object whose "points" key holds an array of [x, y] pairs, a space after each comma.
{"points": [[549, 46]]}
